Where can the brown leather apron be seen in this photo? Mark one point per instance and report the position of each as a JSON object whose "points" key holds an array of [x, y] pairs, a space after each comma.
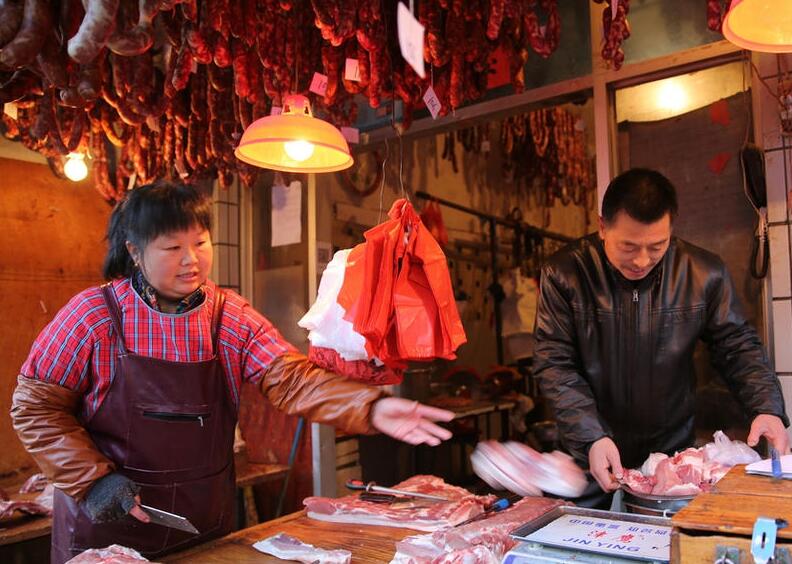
{"points": [[169, 426]]}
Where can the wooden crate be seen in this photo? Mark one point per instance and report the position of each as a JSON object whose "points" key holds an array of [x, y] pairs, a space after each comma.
{"points": [[726, 516]]}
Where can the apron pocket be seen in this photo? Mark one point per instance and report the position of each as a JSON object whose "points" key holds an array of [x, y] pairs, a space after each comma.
{"points": [[168, 438], [209, 504]]}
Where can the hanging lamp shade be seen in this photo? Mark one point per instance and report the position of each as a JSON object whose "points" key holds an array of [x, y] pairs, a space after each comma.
{"points": [[294, 141], [760, 25]]}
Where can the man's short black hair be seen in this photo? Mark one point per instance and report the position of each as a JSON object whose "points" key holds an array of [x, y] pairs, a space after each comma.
{"points": [[644, 194]]}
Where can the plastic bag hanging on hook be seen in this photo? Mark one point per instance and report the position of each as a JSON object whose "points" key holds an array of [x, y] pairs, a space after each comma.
{"points": [[397, 292], [335, 345]]}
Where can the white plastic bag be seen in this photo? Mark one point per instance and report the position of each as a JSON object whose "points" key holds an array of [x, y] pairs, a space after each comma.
{"points": [[325, 320], [727, 452], [519, 306]]}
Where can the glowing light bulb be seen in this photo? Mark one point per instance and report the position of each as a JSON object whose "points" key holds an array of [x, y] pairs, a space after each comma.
{"points": [[299, 150], [75, 168], [671, 97]]}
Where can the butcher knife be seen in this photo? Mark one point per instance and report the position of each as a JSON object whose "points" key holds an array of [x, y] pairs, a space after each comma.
{"points": [[171, 520], [372, 487]]}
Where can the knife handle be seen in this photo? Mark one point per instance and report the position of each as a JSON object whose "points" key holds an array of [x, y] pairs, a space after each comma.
{"points": [[359, 485]]}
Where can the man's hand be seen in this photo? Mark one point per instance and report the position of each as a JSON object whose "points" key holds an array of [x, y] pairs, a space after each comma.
{"points": [[605, 463], [410, 421], [771, 427]]}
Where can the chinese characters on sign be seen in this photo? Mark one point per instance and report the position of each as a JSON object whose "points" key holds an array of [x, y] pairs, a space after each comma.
{"points": [[606, 536]]}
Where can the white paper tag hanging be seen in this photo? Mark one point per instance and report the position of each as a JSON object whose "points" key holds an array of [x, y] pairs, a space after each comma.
{"points": [[352, 70], [10, 109], [485, 146], [411, 39], [276, 111], [432, 102], [351, 134], [286, 221], [319, 84]]}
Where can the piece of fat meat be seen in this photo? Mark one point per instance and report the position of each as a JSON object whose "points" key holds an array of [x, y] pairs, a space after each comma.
{"points": [[287, 547]]}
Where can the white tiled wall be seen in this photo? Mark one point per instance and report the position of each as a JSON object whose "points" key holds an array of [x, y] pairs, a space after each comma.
{"points": [[778, 166]]}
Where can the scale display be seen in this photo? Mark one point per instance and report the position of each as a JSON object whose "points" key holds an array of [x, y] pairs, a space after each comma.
{"points": [[606, 536]]}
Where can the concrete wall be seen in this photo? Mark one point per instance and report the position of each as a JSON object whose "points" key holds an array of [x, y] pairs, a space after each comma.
{"points": [[51, 247]]}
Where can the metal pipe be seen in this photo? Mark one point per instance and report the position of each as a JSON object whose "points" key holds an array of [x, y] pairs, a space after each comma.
{"points": [[292, 456], [497, 220], [494, 295]]}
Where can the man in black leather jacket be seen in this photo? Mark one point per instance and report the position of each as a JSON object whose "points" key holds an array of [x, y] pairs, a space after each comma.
{"points": [[619, 315]]}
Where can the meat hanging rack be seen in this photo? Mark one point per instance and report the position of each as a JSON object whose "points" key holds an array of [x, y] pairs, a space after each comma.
{"points": [[493, 222]]}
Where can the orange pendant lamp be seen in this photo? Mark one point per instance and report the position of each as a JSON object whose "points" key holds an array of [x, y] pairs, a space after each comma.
{"points": [[760, 25], [294, 141]]}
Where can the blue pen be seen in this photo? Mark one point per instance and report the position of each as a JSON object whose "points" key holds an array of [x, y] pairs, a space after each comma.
{"points": [[775, 462]]}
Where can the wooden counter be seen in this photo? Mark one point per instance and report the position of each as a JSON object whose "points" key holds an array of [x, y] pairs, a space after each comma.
{"points": [[22, 527], [725, 517], [367, 543]]}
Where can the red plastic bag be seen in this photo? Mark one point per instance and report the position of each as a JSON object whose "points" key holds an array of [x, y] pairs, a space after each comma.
{"points": [[397, 292], [432, 218]]}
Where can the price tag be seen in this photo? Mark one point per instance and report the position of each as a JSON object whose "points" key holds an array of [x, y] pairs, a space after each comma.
{"points": [[485, 146], [352, 70], [133, 180], [432, 103], [10, 109], [411, 39], [276, 111], [614, 9], [351, 134], [153, 124], [319, 84]]}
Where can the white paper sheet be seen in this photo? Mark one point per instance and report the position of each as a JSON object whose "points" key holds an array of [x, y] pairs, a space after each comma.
{"points": [[411, 39], [286, 214], [765, 468]]}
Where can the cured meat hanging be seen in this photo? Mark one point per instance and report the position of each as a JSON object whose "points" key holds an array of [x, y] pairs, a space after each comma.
{"points": [[175, 82]]}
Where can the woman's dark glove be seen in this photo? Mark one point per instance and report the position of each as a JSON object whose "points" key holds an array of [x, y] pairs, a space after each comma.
{"points": [[110, 498]]}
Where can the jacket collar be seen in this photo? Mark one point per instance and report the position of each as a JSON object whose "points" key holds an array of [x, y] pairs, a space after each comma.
{"points": [[149, 295], [644, 283]]}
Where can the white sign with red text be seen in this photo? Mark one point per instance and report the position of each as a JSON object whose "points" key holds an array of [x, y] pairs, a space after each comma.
{"points": [[606, 536]]}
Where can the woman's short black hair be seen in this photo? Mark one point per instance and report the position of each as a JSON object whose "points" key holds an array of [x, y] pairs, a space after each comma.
{"points": [[148, 212], [644, 194]]}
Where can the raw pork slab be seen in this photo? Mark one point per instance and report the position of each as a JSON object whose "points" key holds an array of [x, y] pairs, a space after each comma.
{"points": [[478, 542], [113, 554], [422, 515], [286, 547]]}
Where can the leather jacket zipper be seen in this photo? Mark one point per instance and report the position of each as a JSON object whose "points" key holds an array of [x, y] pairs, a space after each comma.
{"points": [[635, 336], [177, 416]]}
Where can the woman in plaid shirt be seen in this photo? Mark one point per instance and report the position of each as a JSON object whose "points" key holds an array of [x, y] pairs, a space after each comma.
{"points": [[130, 394]]}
